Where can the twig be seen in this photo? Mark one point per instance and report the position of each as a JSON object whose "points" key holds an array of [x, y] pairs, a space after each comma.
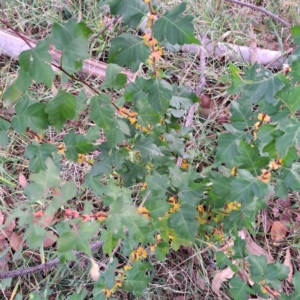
{"points": [[264, 11], [50, 264], [199, 88], [105, 28]]}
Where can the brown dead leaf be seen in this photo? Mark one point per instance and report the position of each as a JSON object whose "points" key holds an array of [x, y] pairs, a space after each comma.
{"points": [[15, 241], [287, 262], [252, 247], [50, 239], [219, 278], [278, 232], [22, 180]]}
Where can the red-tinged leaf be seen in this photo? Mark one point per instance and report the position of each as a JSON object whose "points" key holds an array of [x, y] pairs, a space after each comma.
{"points": [[22, 180], [16, 242], [50, 239]]}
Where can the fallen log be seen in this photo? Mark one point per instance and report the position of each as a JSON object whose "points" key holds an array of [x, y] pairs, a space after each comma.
{"points": [[12, 45]]}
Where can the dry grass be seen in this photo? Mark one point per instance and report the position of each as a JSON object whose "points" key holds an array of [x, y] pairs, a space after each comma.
{"points": [[186, 273]]}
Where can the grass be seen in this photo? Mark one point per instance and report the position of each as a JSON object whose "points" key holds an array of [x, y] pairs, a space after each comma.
{"points": [[188, 272]]}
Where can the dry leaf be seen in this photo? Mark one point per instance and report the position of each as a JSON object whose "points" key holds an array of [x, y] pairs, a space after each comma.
{"points": [[220, 278], [22, 180], [46, 220], [50, 239], [252, 247], [4, 259], [94, 270], [15, 241], [287, 262], [278, 232]]}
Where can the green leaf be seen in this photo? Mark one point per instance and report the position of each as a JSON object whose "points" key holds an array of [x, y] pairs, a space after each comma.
{"points": [[128, 50], [118, 214], [148, 116], [38, 155], [4, 126], [61, 108], [227, 149], [185, 223], [157, 207], [159, 94], [241, 113], [250, 159], [148, 149], [174, 28], [291, 136], [190, 192], [132, 10], [176, 144], [72, 39], [102, 111], [14, 92], [296, 34], [245, 187], [161, 250], [114, 135], [295, 63], [258, 265], [261, 83], [68, 191], [110, 241], [290, 97], [109, 158], [29, 115], [239, 289], [158, 184], [76, 144], [113, 78], [37, 62], [134, 171], [136, 280]]}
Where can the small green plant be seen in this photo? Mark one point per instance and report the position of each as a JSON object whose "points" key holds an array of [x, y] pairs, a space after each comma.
{"points": [[147, 204]]}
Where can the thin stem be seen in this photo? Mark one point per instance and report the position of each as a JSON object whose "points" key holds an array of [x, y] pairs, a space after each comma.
{"points": [[50, 264], [264, 11]]}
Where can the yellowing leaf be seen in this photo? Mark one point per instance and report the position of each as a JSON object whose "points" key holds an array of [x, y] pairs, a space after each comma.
{"points": [[265, 176], [81, 158], [234, 171], [184, 164], [148, 40], [128, 267], [100, 215], [132, 120], [144, 211], [264, 118], [138, 254], [61, 149], [275, 164]]}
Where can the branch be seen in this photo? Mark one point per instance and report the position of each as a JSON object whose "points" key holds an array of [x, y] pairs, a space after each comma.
{"points": [[50, 264], [264, 11]]}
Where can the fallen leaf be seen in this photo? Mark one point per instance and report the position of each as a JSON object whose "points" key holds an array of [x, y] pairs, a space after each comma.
{"points": [[219, 278], [278, 232], [15, 241], [252, 247], [50, 239], [46, 220], [5, 258], [287, 262], [94, 270], [22, 180]]}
